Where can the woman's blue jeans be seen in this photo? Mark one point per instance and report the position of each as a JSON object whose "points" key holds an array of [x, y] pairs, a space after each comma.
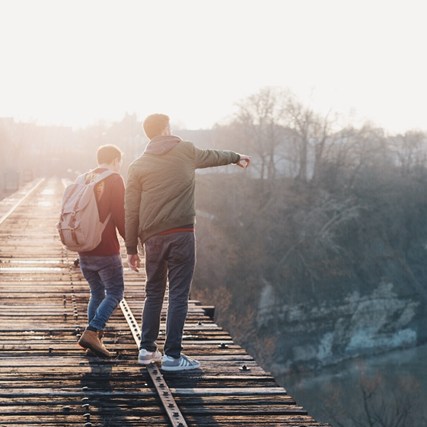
{"points": [[105, 277], [171, 257]]}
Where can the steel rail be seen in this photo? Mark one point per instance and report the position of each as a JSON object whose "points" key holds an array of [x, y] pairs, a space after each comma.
{"points": [[165, 394], [12, 209]]}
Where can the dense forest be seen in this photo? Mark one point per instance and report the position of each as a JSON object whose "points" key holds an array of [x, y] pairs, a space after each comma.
{"points": [[313, 255]]}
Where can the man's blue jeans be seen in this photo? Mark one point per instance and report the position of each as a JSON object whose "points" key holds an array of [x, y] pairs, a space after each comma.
{"points": [[171, 257], [105, 277]]}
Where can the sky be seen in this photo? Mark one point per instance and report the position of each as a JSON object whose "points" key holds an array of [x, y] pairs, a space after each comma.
{"points": [[77, 62]]}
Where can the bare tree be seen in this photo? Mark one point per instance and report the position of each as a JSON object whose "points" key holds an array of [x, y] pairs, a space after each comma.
{"points": [[354, 151], [410, 150], [262, 121], [311, 138], [376, 404], [287, 137]]}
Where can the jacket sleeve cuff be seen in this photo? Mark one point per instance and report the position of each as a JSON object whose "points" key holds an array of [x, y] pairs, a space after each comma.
{"points": [[238, 158], [131, 250]]}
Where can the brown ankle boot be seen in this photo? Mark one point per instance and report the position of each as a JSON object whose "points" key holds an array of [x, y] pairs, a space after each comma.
{"points": [[90, 340], [89, 352]]}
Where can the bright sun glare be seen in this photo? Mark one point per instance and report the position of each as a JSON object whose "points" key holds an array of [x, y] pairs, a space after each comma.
{"points": [[74, 63]]}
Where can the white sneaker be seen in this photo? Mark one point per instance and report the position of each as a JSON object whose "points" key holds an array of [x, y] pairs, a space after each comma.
{"points": [[184, 363], [146, 357]]}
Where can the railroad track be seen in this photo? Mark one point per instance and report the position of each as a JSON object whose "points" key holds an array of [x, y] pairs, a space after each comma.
{"points": [[47, 380]]}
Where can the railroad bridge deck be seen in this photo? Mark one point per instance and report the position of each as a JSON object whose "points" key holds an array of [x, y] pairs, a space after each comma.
{"points": [[47, 380]]}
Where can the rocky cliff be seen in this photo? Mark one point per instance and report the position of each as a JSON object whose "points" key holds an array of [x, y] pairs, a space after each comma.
{"points": [[311, 335]]}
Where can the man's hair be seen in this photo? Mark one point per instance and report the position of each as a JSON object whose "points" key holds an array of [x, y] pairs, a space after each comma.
{"points": [[155, 124], [107, 154]]}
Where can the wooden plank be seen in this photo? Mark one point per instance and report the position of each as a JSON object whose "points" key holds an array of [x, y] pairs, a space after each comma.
{"points": [[236, 391]]}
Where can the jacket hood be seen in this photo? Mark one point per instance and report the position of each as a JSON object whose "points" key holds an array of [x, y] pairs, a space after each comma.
{"points": [[162, 144]]}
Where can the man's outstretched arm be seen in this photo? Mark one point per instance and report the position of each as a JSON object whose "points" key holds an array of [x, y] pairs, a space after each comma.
{"points": [[210, 158]]}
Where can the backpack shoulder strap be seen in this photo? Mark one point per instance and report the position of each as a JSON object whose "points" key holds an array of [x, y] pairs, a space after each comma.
{"points": [[81, 179], [103, 176]]}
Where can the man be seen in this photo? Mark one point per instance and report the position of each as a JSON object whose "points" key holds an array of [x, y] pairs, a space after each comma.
{"points": [[102, 267], [159, 210]]}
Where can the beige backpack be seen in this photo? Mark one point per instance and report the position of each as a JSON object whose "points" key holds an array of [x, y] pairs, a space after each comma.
{"points": [[79, 225]]}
